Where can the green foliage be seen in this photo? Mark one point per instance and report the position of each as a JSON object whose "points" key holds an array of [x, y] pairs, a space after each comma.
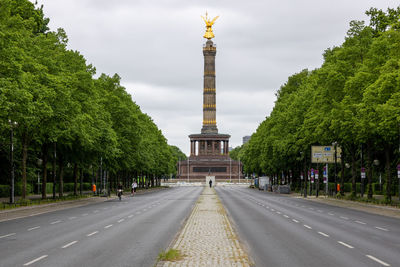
{"points": [[352, 99], [52, 94]]}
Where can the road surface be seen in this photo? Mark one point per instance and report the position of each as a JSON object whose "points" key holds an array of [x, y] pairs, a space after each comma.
{"points": [[131, 232], [284, 231]]}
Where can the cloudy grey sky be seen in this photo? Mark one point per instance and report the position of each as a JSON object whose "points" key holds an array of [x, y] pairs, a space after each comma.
{"points": [[156, 47]]}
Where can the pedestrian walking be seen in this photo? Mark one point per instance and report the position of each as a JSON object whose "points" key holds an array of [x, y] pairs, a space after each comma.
{"points": [[210, 182], [134, 186]]}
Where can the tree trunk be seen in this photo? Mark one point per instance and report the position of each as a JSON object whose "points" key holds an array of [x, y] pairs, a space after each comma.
{"points": [[369, 169], [75, 179], [54, 169], [45, 149], [24, 159], [342, 172], [61, 176], [353, 172], [81, 182], [388, 176]]}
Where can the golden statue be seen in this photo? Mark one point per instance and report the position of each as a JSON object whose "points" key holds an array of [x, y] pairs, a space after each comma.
{"points": [[209, 33]]}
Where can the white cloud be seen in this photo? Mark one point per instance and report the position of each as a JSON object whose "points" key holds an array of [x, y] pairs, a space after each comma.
{"points": [[156, 47]]}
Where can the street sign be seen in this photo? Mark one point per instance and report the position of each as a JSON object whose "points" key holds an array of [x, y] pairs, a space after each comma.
{"points": [[362, 173], [398, 171], [325, 154], [316, 174]]}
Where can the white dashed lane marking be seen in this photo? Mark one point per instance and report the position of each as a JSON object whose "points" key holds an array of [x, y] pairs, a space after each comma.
{"points": [[69, 244], [321, 233], [296, 221], [108, 226], [7, 235], [330, 213], [380, 228], [306, 226], [344, 218], [34, 228], [378, 260], [130, 216], [55, 222], [121, 220], [35, 260], [95, 232], [360, 222], [71, 218], [85, 214], [345, 244], [285, 216]]}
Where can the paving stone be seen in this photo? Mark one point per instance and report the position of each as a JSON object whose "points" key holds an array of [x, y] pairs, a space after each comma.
{"points": [[207, 239]]}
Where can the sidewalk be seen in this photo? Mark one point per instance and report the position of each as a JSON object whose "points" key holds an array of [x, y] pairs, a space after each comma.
{"points": [[207, 239]]}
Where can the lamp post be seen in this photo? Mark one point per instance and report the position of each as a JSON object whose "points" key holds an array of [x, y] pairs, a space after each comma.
{"points": [[39, 163], [376, 163], [12, 177], [335, 147]]}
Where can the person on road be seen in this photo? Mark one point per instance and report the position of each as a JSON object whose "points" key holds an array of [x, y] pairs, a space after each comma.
{"points": [[210, 182], [134, 186], [119, 190]]}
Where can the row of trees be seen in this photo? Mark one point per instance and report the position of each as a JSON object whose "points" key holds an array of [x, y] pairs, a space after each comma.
{"points": [[352, 99], [61, 114]]}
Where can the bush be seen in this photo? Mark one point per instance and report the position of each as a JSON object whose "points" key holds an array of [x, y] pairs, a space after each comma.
{"points": [[4, 190]]}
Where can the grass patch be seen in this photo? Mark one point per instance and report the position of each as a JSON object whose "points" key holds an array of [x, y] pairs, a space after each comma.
{"points": [[170, 255]]}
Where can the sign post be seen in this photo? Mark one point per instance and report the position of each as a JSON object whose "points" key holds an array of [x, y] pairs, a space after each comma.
{"points": [[362, 181], [398, 176]]}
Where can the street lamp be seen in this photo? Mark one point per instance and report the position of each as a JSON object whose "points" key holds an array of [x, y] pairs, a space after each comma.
{"points": [[12, 181], [335, 147], [376, 163], [39, 163]]}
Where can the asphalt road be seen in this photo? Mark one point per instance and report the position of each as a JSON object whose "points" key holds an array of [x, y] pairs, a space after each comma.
{"points": [[130, 232], [283, 231]]}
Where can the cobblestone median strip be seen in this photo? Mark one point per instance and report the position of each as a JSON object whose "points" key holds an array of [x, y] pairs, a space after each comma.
{"points": [[208, 238]]}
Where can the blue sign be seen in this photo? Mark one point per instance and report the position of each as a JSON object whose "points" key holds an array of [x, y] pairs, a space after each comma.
{"points": [[327, 148]]}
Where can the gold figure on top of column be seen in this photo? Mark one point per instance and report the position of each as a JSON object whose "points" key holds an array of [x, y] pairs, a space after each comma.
{"points": [[209, 33]]}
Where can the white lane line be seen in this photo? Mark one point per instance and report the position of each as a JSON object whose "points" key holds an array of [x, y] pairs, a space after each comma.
{"points": [[121, 220], [95, 211], [85, 214], [7, 235], [360, 222], [138, 212], [108, 226], [321, 233], [130, 216], [95, 232], [285, 216], [267, 207], [35, 260], [344, 218], [345, 244], [69, 244], [330, 213], [306, 226], [296, 221], [380, 228], [105, 208], [34, 228], [144, 209], [71, 218], [55, 222], [311, 208], [319, 210], [378, 260], [279, 212]]}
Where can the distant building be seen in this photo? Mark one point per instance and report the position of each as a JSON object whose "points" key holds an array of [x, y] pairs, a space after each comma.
{"points": [[246, 139]]}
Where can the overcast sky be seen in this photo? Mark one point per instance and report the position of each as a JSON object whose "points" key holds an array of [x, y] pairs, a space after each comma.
{"points": [[156, 47]]}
